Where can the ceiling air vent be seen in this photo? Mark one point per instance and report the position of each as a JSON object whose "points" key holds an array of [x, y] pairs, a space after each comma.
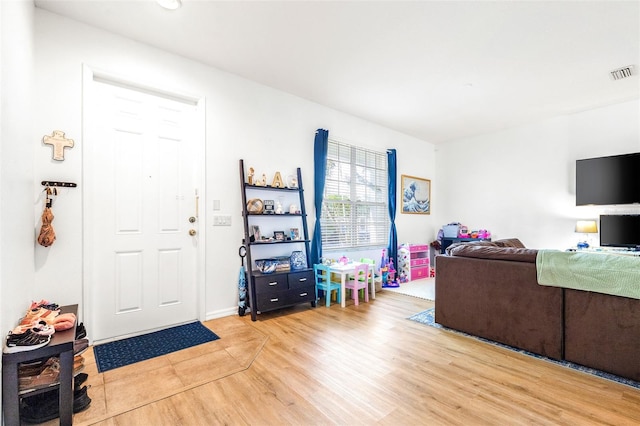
{"points": [[624, 72]]}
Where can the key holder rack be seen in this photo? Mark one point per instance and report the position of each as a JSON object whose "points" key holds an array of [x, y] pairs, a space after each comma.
{"points": [[49, 184]]}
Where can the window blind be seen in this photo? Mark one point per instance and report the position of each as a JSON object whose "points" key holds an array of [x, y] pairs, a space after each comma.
{"points": [[354, 210]]}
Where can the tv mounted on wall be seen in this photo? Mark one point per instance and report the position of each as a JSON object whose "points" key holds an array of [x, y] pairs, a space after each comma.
{"points": [[620, 231], [608, 180]]}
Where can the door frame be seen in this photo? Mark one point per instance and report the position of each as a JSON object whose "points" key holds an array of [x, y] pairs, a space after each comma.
{"points": [[90, 188]]}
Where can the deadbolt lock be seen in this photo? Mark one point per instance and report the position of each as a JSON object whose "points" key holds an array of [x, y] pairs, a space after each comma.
{"points": [[192, 219]]}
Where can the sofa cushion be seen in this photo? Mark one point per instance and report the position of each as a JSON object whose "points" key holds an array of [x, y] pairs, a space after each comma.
{"points": [[509, 242], [516, 254], [470, 243]]}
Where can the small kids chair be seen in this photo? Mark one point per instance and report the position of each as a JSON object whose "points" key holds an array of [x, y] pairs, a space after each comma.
{"points": [[360, 281], [323, 282]]}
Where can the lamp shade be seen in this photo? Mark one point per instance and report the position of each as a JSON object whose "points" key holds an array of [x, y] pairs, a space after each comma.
{"points": [[587, 226]]}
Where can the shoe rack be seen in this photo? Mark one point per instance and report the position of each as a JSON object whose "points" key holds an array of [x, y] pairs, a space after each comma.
{"points": [[61, 345]]}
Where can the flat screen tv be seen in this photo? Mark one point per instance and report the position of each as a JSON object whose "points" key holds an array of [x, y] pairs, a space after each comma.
{"points": [[608, 180], [620, 231]]}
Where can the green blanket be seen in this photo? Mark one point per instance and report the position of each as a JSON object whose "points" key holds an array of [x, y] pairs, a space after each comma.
{"points": [[614, 274]]}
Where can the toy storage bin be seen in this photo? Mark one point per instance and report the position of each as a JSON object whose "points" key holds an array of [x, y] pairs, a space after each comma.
{"points": [[451, 231]]}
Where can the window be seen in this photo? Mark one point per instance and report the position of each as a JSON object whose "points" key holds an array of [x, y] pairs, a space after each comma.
{"points": [[354, 210]]}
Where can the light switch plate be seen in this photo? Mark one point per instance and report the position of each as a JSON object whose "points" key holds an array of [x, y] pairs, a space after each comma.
{"points": [[219, 220]]}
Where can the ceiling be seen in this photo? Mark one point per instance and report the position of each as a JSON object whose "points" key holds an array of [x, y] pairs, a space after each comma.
{"points": [[436, 70]]}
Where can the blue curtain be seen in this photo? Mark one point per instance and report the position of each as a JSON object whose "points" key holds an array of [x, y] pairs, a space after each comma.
{"points": [[392, 249], [320, 148]]}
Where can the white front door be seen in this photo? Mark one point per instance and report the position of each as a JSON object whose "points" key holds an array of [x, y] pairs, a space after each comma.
{"points": [[141, 166]]}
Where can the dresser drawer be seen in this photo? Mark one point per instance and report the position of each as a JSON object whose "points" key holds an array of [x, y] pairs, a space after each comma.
{"points": [[420, 262], [421, 272], [272, 300], [302, 293], [301, 279], [414, 248], [271, 283]]}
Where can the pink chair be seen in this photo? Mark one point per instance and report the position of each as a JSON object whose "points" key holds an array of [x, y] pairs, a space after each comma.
{"points": [[359, 281]]}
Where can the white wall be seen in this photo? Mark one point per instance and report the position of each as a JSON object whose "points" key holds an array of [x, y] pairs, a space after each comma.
{"points": [[521, 182], [16, 161], [269, 129]]}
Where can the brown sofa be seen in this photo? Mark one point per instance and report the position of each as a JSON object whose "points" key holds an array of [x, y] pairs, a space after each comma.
{"points": [[491, 290], [603, 332]]}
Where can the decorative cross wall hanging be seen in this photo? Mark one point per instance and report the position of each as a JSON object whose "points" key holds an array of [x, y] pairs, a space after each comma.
{"points": [[59, 143]]}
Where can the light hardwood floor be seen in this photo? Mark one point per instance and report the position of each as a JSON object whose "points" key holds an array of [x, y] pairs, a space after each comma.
{"points": [[364, 364]]}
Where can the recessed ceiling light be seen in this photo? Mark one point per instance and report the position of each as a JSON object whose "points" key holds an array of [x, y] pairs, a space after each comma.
{"points": [[170, 4]]}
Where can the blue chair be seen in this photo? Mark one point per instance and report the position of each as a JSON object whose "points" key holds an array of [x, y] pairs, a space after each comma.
{"points": [[323, 282]]}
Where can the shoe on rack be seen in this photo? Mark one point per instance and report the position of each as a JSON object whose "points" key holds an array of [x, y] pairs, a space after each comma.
{"points": [[38, 326], [44, 407], [78, 365], [34, 368], [48, 377], [42, 328], [45, 304], [79, 380], [81, 332], [40, 313], [26, 341], [80, 345]]}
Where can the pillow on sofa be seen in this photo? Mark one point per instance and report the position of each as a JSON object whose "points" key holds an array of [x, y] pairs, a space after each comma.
{"points": [[516, 254], [470, 243], [509, 242]]}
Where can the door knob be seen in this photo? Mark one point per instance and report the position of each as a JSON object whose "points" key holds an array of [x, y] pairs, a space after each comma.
{"points": [[192, 232]]}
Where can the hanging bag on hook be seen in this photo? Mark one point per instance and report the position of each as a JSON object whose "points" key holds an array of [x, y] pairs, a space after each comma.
{"points": [[47, 234]]}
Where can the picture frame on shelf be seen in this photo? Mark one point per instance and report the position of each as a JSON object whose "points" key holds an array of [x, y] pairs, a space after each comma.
{"points": [[254, 236], [416, 195], [279, 236], [294, 233], [269, 207]]}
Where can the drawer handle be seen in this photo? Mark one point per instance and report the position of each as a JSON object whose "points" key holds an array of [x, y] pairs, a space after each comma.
{"points": [[274, 300], [303, 294], [302, 280], [273, 283]]}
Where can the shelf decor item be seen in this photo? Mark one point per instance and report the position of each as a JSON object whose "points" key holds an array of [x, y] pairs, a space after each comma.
{"points": [[255, 206], [278, 236], [277, 181], [250, 176], [294, 234], [269, 207], [298, 260], [255, 233], [266, 266], [292, 182]]}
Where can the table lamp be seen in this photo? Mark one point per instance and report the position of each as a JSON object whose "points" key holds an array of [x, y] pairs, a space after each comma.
{"points": [[586, 227]]}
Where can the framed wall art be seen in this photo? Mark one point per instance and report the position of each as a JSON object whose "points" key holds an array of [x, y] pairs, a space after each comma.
{"points": [[416, 195]]}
